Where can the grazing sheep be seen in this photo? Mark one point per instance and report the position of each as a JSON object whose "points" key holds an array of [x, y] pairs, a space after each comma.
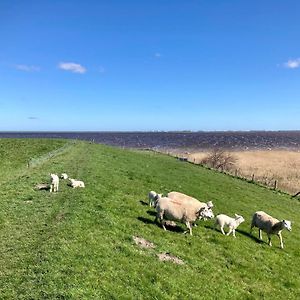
{"points": [[76, 183], [64, 176], [270, 225], [153, 196], [232, 223], [54, 183], [188, 199], [173, 210]]}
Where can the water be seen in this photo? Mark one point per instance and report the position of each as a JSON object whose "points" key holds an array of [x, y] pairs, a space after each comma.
{"points": [[230, 140]]}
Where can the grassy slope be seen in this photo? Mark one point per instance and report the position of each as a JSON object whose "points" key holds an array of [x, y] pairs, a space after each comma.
{"points": [[77, 244]]}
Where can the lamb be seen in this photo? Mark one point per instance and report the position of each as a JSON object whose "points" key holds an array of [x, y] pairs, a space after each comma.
{"points": [[64, 176], [184, 212], [232, 223], [188, 199], [54, 183], [270, 225], [76, 183], [153, 196]]}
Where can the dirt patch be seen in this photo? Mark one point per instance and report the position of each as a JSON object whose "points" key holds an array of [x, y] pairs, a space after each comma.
{"points": [[141, 242], [168, 257]]}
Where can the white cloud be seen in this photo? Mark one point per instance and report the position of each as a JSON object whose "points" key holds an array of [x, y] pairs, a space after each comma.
{"points": [[27, 68], [157, 55], [72, 67], [292, 63]]}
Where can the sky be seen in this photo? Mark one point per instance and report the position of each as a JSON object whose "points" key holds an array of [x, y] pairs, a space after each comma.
{"points": [[149, 65]]}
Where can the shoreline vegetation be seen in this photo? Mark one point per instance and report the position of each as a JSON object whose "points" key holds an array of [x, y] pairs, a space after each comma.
{"points": [[277, 169]]}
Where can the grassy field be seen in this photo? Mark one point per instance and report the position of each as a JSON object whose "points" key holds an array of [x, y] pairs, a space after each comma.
{"points": [[77, 244]]}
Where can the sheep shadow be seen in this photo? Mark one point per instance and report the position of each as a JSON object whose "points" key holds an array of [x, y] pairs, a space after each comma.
{"points": [[168, 227], [144, 203], [240, 231], [249, 235], [151, 213]]}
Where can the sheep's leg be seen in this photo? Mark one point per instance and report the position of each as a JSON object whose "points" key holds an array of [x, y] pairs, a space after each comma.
{"points": [[269, 237], [259, 234], [163, 225], [188, 225], [230, 230], [280, 238], [51, 188], [222, 230], [233, 232]]}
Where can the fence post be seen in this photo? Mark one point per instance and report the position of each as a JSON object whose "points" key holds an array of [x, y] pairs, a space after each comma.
{"points": [[275, 184], [252, 178], [236, 173]]}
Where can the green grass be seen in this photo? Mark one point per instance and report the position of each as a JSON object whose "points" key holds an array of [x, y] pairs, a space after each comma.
{"points": [[77, 244]]}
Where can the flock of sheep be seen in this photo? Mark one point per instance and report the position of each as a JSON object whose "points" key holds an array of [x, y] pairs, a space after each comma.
{"points": [[54, 182], [186, 209]]}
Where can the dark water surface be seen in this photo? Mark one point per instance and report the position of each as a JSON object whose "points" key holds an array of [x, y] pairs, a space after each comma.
{"points": [[234, 140]]}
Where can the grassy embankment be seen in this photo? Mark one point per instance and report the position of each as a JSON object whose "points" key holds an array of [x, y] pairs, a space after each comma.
{"points": [[77, 244]]}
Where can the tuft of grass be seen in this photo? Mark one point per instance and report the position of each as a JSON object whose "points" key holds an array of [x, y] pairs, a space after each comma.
{"points": [[77, 243]]}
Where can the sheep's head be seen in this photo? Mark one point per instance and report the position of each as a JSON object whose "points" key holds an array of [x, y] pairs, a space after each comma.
{"points": [[205, 213], [287, 224], [239, 218]]}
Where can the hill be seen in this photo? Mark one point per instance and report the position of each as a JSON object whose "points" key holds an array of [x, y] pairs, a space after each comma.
{"points": [[77, 244]]}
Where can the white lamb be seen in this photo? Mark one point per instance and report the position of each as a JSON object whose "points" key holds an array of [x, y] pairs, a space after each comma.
{"points": [[54, 183], [153, 196], [76, 183], [270, 225], [64, 176], [232, 223]]}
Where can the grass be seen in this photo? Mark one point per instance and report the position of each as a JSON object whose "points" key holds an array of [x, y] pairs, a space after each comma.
{"points": [[77, 244]]}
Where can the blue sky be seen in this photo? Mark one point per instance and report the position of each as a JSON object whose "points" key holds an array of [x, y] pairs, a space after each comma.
{"points": [[149, 65]]}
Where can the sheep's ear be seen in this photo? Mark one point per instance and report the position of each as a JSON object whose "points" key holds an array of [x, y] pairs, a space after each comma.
{"points": [[236, 215]]}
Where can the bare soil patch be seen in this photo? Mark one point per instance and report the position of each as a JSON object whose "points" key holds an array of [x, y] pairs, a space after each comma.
{"points": [[165, 256], [141, 242]]}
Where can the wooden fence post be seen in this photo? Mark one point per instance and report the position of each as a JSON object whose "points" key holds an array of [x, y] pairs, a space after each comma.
{"points": [[252, 178], [275, 184], [236, 173]]}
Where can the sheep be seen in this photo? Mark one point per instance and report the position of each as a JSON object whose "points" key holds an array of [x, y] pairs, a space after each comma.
{"points": [[270, 225], [76, 183], [188, 199], [184, 212], [54, 183], [64, 176], [232, 223], [153, 196]]}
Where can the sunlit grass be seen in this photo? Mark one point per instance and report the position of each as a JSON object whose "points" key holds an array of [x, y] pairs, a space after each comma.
{"points": [[77, 244]]}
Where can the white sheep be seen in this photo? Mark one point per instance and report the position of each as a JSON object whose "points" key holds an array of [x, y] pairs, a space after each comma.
{"points": [[153, 196], [190, 200], [64, 176], [270, 225], [54, 183], [232, 223], [187, 213], [76, 183]]}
